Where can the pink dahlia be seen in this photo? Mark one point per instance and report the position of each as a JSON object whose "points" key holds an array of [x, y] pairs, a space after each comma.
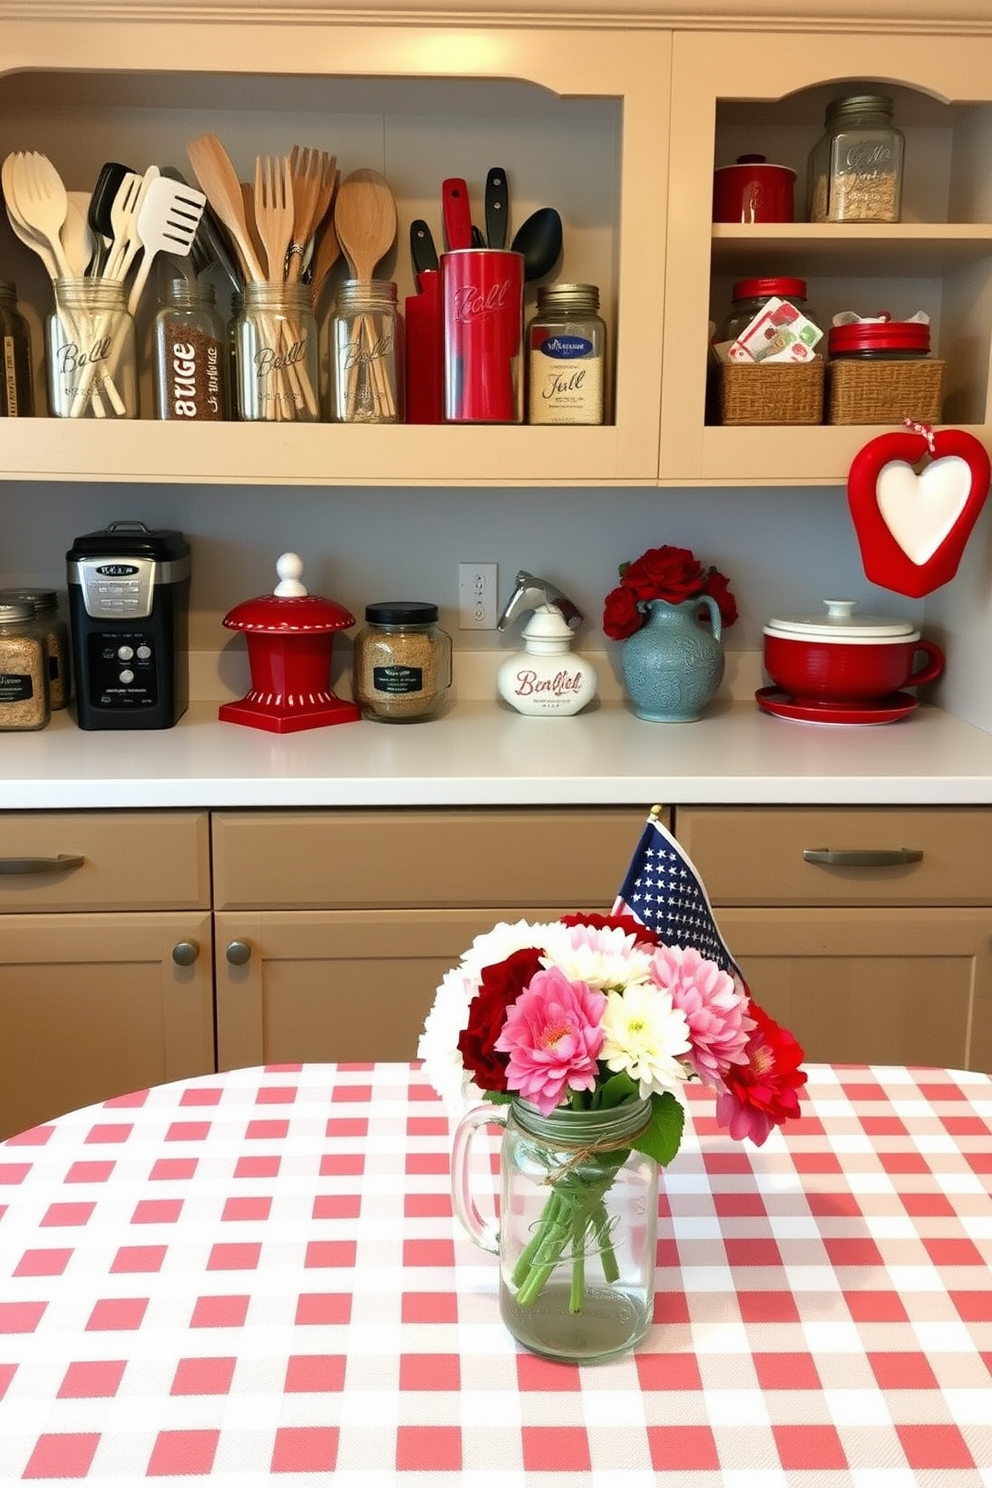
{"points": [[714, 1008], [553, 1038]]}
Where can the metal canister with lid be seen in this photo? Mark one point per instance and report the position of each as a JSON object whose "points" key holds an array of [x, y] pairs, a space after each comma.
{"points": [[55, 633], [402, 662]]}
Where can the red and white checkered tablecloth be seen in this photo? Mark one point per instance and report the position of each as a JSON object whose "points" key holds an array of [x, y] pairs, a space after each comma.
{"points": [[256, 1276]]}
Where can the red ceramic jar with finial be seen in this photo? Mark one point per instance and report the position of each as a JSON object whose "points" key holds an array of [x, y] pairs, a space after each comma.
{"points": [[290, 634]]}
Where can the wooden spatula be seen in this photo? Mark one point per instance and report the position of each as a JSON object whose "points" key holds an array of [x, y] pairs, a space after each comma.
{"points": [[219, 181]]}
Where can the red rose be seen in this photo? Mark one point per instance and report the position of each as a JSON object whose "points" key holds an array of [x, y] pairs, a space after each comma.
{"points": [[666, 573], [621, 617], [624, 922], [501, 985], [718, 587]]}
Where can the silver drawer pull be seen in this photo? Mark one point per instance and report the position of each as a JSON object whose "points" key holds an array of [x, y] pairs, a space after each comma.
{"points": [[238, 953], [862, 857], [61, 864], [185, 952]]}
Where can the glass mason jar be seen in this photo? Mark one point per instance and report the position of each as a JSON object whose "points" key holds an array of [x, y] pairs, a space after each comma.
{"points": [[24, 696], [89, 338], [16, 387], [55, 634], [566, 357], [854, 173], [749, 296], [578, 1221], [191, 354], [275, 354], [402, 662], [364, 339]]}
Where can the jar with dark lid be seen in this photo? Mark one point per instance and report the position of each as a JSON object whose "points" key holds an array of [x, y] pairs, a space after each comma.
{"points": [[854, 172], [54, 633], [751, 295], [887, 340], [16, 388], [566, 357], [402, 662], [24, 695]]}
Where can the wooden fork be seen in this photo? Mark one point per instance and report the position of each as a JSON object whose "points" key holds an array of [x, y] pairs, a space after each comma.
{"points": [[274, 212]]}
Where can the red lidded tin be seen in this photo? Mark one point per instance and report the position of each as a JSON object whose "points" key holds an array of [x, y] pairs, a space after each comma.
{"points": [[482, 300]]}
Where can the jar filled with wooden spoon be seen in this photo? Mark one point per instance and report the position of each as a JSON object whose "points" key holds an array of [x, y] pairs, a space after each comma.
{"points": [[275, 354], [365, 341]]}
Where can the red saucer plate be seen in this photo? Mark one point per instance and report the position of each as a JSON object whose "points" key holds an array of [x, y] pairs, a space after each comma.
{"points": [[887, 710]]}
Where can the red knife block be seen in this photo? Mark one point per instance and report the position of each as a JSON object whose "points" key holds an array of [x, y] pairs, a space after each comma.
{"points": [[424, 351]]}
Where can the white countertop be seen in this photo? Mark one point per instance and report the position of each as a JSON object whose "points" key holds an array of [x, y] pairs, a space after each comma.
{"points": [[481, 753]]}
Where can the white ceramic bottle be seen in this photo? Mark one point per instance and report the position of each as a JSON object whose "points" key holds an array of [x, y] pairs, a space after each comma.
{"points": [[546, 679]]}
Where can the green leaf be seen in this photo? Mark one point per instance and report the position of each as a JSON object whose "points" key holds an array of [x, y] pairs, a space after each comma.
{"points": [[661, 1139], [616, 1090], [498, 1097]]}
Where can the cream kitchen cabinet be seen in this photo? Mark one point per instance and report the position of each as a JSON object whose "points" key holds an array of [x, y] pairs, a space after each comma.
{"points": [[865, 932], [334, 928], [766, 92], [106, 973], [578, 119]]}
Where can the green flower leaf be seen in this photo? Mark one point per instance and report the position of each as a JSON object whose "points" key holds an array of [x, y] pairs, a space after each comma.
{"points": [[616, 1090], [662, 1137], [499, 1097]]}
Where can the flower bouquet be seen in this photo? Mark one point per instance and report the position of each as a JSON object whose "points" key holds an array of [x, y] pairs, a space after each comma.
{"points": [[667, 573], [605, 1015]]}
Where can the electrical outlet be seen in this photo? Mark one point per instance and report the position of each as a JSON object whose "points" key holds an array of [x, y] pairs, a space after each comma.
{"points": [[477, 596]]}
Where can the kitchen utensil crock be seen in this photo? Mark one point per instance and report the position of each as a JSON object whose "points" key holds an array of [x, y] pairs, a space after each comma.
{"points": [[848, 659]]}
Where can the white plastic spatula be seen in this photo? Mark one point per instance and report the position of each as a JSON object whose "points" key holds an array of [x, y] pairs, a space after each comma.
{"points": [[167, 221]]}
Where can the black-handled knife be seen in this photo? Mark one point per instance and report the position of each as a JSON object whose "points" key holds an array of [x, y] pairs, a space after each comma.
{"points": [[422, 249], [497, 207]]}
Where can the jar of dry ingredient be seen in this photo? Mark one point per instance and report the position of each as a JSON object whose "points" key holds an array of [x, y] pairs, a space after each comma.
{"points": [[55, 634], [16, 390], [402, 662], [191, 354], [24, 696], [854, 173], [566, 357]]}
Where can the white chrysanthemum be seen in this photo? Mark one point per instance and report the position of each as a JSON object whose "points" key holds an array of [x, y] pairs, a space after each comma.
{"points": [[438, 1045], [645, 1034], [605, 959]]}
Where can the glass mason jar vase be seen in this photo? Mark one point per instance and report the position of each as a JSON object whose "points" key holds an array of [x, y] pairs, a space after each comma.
{"points": [[89, 340], [854, 172], [275, 354], [578, 1221], [364, 354]]}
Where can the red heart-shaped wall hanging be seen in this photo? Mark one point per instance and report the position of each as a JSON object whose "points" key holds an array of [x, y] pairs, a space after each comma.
{"points": [[912, 523]]}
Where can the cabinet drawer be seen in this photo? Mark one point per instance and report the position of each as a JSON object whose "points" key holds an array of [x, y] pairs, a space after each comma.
{"points": [[85, 860], [421, 859], [756, 855]]}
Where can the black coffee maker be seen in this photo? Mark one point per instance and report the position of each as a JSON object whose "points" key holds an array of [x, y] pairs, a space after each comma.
{"points": [[128, 615]]}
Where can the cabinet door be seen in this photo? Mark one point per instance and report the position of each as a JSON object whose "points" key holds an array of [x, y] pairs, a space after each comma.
{"points": [[767, 93], [910, 986], [93, 1006], [333, 985]]}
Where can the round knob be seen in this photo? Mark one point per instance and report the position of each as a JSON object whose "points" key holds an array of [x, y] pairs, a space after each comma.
{"points": [[185, 953], [238, 953]]}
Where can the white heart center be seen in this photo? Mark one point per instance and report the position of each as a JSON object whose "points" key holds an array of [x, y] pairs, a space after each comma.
{"points": [[920, 510]]}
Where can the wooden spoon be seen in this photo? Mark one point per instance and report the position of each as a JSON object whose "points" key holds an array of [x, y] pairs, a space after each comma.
{"points": [[219, 181], [365, 221]]}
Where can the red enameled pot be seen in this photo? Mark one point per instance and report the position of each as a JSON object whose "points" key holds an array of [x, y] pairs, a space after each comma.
{"points": [[753, 191], [847, 659]]}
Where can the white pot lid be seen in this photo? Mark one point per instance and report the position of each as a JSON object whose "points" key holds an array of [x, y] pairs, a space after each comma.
{"points": [[840, 623]]}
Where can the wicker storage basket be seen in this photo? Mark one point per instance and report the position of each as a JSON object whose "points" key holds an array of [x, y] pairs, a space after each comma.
{"points": [[884, 392], [771, 392]]}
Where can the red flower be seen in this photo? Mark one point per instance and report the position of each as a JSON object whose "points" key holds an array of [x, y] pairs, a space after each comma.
{"points": [[668, 573], [621, 617], [623, 922], [502, 984], [762, 1093]]}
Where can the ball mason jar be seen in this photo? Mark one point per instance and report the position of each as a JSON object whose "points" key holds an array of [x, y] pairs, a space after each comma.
{"points": [[89, 340], [576, 1238], [854, 172], [364, 337], [275, 354]]}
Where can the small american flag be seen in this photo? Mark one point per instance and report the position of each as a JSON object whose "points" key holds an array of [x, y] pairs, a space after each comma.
{"points": [[664, 891]]}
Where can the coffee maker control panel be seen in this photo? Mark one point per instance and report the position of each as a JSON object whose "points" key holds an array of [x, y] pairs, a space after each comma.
{"points": [[117, 588]]}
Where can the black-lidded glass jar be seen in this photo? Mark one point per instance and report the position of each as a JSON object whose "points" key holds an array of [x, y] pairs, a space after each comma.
{"points": [[402, 662]]}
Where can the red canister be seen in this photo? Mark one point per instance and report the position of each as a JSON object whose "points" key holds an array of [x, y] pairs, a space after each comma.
{"points": [[482, 301], [753, 191]]}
